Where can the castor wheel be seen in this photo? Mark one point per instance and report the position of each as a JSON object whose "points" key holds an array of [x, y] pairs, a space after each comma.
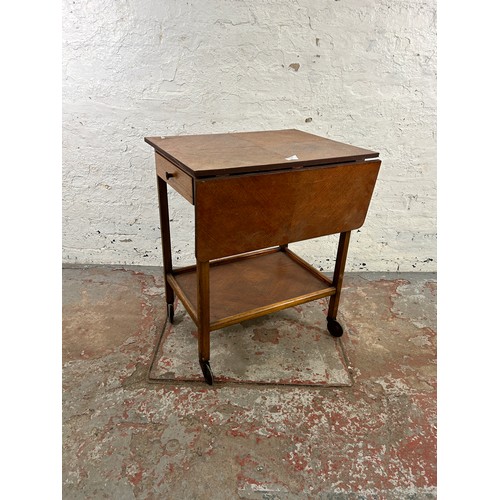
{"points": [[334, 327], [207, 372], [170, 312]]}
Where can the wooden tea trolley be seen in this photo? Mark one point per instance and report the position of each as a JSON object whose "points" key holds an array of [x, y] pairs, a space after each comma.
{"points": [[253, 193]]}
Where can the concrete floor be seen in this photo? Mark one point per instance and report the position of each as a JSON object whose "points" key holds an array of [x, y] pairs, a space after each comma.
{"points": [[125, 438]]}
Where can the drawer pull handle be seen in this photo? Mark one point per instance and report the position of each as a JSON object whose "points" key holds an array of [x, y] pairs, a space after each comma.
{"points": [[169, 175]]}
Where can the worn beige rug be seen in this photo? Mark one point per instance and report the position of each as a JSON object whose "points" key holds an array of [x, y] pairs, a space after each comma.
{"points": [[289, 347]]}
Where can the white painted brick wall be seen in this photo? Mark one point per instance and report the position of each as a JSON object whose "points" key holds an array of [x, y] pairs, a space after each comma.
{"points": [[356, 71]]}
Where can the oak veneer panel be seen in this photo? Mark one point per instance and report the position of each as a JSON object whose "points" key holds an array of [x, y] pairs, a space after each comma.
{"points": [[220, 154], [250, 283], [241, 213]]}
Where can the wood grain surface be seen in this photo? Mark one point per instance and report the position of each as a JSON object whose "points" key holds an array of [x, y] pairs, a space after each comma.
{"points": [[221, 154], [241, 213], [253, 285]]}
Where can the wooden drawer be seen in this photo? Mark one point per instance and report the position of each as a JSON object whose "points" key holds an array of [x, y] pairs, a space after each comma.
{"points": [[177, 178]]}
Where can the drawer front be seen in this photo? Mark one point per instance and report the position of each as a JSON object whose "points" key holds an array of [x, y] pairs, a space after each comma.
{"points": [[178, 179], [241, 213]]}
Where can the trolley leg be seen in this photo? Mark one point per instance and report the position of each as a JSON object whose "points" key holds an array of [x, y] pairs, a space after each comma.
{"points": [[334, 327], [165, 244], [203, 313]]}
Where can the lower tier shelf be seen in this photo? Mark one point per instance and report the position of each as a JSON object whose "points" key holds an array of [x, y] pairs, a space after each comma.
{"points": [[252, 285]]}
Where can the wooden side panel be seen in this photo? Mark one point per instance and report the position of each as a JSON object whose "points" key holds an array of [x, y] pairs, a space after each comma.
{"points": [[179, 180], [241, 213]]}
